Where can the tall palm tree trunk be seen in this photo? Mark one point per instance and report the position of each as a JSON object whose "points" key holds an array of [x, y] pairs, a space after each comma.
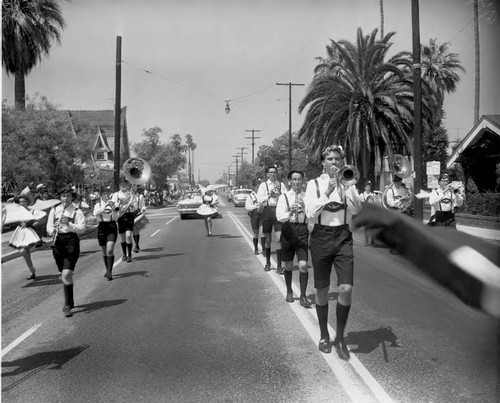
{"points": [[477, 73], [19, 91], [381, 19]]}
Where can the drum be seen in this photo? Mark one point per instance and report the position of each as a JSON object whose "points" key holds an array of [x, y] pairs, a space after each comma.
{"points": [[141, 222]]}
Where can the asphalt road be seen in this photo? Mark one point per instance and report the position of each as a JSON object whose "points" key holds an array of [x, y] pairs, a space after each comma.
{"points": [[196, 319]]}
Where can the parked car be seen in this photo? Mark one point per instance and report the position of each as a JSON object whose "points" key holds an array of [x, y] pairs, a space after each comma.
{"points": [[240, 197], [189, 204]]}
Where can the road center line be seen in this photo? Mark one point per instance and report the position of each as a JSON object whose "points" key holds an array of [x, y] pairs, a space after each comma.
{"points": [[20, 339], [154, 233], [309, 322], [168, 222]]}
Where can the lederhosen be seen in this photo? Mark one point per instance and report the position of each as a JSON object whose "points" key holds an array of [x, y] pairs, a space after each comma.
{"points": [[126, 221], [294, 238], [107, 230], [445, 218], [331, 245], [269, 212], [66, 249]]}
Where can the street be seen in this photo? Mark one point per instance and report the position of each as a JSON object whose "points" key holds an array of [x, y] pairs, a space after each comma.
{"points": [[196, 319]]}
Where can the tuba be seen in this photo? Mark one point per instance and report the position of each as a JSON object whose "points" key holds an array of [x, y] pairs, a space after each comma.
{"points": [[136, 170], [400, 167]]}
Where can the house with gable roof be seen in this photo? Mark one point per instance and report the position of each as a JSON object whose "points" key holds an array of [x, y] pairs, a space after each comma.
{"points": [[479, 153], [102, 123]]}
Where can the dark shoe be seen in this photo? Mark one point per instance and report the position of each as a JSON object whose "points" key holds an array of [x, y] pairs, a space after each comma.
{"points": [[289, 297], [255, 252], [124, 258], [110, 277], [305, 302], [325, 346], [67, 311], [137, 249], [267, 267], [129, 259], [32, 277], [342, 350], [106, 275], [280, 270]]}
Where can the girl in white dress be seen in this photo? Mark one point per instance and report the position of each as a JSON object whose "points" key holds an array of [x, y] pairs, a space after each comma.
{"points": [[25, 237], [208, 209]]}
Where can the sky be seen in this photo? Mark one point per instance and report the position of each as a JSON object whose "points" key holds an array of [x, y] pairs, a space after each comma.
{"points": [[182, 59]]}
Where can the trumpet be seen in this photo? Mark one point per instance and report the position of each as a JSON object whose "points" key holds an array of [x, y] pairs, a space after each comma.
{"points": [[348, 175]]}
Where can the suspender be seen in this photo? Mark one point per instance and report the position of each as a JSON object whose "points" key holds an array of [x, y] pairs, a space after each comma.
{"points": [[319, 195]]}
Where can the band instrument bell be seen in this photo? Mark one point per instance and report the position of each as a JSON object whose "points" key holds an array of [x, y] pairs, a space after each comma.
{"points": [[400, 166], [136, 170]]}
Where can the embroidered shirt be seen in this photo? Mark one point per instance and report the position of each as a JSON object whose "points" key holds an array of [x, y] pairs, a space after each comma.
{"points": [[75, 224], [269, 192], [445, 201]]}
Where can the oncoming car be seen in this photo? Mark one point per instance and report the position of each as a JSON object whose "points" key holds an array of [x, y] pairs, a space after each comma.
{"points": [[240, 197], [189, 204]]}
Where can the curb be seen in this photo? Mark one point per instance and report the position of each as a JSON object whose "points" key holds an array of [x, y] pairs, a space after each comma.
{"points": [[15, 253]]}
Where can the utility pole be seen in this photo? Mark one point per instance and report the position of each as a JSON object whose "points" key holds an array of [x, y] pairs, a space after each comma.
{"points": [[118, 90], [236, 178], [253, 140], [228, 175], [241, 152], [417, 117], [290, 121]]}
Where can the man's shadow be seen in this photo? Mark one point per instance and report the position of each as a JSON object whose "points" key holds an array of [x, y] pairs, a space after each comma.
{"points": [[35, 363], [152, 257], [94, 306], [50, 279], [226, 236], [142, 273], [368, 340]]}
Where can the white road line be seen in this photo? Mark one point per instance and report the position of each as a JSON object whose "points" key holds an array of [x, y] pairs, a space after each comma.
{"points": [[168, 222], [309, 321], [20, 339], [154, 233]]}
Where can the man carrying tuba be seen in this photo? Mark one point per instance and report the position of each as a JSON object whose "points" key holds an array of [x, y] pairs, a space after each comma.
{"points": [[126, 201], [398, 196]]}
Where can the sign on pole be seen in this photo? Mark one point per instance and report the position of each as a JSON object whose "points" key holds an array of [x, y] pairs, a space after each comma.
{"points": [[433, 168]]}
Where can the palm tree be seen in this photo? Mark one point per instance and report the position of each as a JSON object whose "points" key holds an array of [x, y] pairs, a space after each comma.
{"points": [[381, 19], [29, 27], [361, 102]]}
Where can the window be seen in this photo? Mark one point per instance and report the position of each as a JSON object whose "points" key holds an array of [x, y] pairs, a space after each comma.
{"points": [[100, 155]]}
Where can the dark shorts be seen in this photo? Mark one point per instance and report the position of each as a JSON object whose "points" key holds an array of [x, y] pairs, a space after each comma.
{"points": [[255, 219], [331, 246], [126, 223], [106, 232], [445, 219], [66, 251], [294, 241], [269, 220]]}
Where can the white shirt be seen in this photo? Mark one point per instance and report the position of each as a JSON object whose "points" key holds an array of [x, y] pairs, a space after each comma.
{"points": [[283, 213], [252, 202], [364, 196], [105, 212], [445, 201], [76, 220], [394, 195], [320, 207], [269, 192]]}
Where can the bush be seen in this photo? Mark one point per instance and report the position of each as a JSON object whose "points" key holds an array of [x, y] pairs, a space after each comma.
{"points": [[487, 204]]}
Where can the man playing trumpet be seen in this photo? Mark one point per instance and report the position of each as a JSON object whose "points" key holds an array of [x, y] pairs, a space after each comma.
{"points": [[444, 200], [331, 203]]}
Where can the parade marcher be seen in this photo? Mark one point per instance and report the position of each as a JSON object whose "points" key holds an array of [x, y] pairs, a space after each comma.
{"points": [[294, 235], [254, 209], [368, 197], [107, 230], [398, 194], [444, 200], [268, 194], [29, 193], [141, 209], [65, 222], [209, 208], [330, 205], [125, 199], [40, 190], [25, 237]]}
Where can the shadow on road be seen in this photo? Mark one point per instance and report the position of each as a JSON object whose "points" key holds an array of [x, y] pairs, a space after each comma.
{"points": [[94, 306], [226, 236], [150, 257], [35, 363], [51, 279], [368, 340], [89, 252], [142, 273]]}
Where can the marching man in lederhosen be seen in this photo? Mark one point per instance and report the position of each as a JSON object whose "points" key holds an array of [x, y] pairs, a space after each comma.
{"points": [[126, 200], [444, 199], [268, 194], [107, 230], [141, 209], [331, 206], [254, 209], [65, 222], [294, 235]]}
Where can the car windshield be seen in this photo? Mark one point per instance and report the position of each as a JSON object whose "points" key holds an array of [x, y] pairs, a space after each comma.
{"points": [[193, 195], [244, 191]]}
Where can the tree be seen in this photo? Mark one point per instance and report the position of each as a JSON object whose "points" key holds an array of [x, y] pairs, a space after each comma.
{"points": [[381, 19], [29, 27], [41, 146], [361, 102], [165, 159]]}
